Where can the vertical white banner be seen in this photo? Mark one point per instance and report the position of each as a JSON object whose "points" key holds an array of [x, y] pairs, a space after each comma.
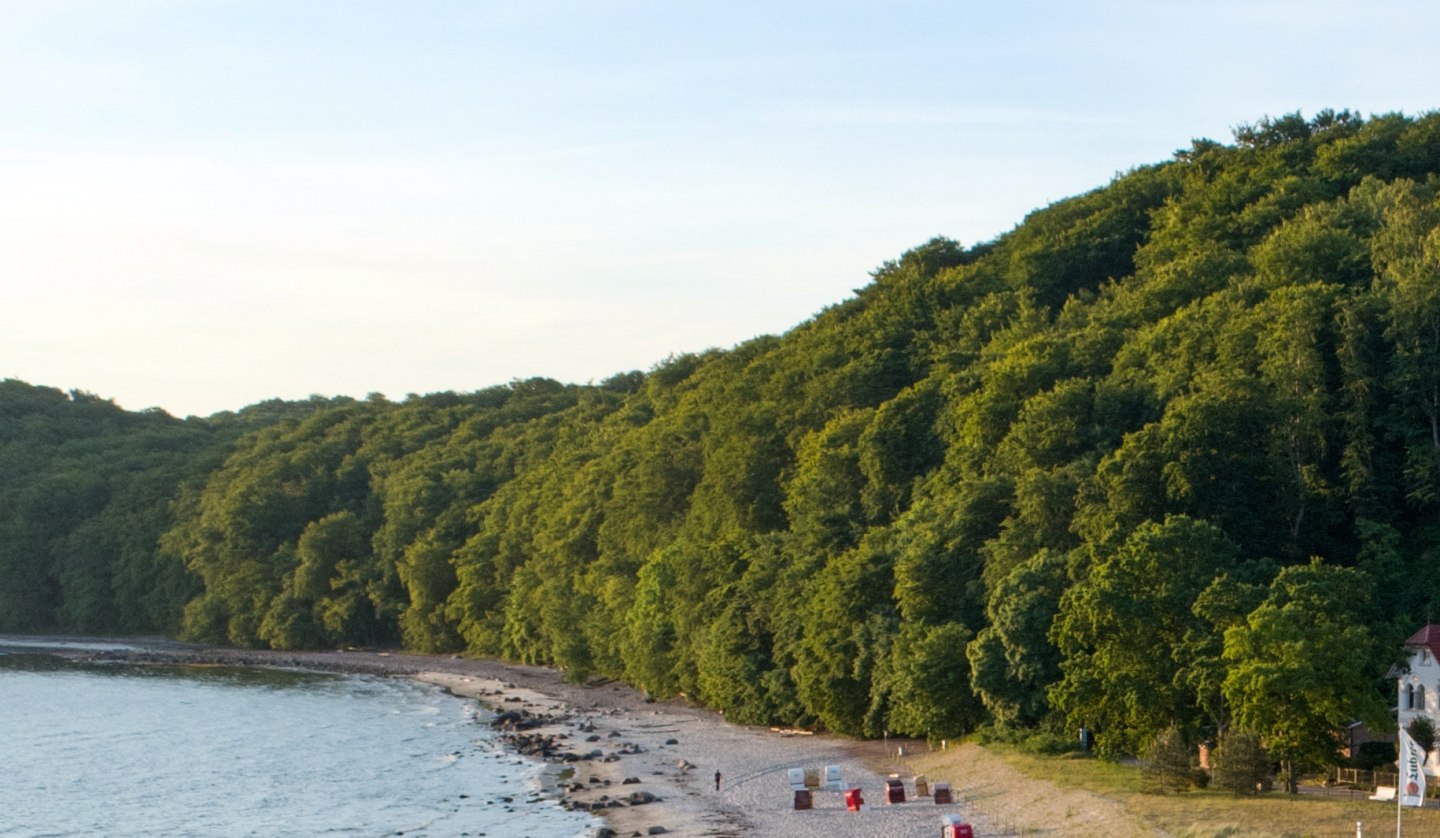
{"points": [[1412, 771]]}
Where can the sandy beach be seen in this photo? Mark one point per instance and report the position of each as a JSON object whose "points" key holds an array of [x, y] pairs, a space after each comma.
{"points": [[648, 767], [672, 751]]}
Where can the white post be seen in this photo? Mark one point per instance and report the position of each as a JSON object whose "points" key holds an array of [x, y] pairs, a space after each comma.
{"points": [[1399, 763]]}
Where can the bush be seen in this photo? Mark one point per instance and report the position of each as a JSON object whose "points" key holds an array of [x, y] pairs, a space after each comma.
{"points": [[1241, 764], [998, 735], [1372, 755], [1166, 765], [1422, 730], [1041, 742], [1049, 744]]}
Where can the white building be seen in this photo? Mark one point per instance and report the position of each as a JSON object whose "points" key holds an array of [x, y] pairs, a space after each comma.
{"points": [[1419, 687]]}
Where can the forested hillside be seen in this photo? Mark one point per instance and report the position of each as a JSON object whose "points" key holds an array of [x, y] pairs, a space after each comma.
{"points": [[1166, 453]]}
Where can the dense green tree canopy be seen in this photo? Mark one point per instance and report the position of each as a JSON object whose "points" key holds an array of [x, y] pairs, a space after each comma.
{"points": [[1079, 474]]}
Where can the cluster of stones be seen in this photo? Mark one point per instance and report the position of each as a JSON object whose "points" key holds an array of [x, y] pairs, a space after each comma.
{"points": [[605, 801], [514, 727]]}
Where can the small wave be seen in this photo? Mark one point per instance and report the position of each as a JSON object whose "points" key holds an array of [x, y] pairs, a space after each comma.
{"points": [[68, 645]]}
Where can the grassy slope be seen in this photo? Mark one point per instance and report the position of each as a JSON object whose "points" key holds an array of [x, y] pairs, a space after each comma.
{"points": [[1068, 796]]}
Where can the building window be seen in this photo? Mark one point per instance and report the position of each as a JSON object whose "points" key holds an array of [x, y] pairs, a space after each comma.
{"points": [[1407, 697], [1420, 697]]}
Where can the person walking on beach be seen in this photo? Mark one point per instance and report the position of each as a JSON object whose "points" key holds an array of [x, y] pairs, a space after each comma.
{"points": [[717, 780]]}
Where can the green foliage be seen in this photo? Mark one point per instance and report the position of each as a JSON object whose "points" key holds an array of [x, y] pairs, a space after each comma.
{"points": [[1122, 626], [1241, 764], [84, 492], [1012, 660], [1050, 744], [1073, 475], [1166, 767], [1298, 665], [1374, 755], [930, 694], [1422, 730], [849, 623]]}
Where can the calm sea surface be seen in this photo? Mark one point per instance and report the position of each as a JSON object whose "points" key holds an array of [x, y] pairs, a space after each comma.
{"points": [[177, 751]]}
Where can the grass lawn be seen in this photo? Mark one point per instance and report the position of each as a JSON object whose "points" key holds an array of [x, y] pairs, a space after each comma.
{"points": [[1120, 808]]}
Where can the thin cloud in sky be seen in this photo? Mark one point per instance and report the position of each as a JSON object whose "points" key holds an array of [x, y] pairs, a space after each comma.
{"points": [[881, 114]]}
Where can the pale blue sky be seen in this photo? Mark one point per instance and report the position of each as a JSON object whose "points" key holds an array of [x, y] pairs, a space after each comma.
{"points": [[210, 203]]}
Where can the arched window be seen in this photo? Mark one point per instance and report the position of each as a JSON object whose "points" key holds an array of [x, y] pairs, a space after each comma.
{"points": [[1419, 697], [1407, 697]]}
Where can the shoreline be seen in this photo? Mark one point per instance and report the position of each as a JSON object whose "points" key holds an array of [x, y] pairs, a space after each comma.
{"points": [[644, 766]]}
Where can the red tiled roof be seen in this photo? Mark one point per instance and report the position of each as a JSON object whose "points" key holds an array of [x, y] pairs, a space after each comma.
{"points": [[1426, 638]]}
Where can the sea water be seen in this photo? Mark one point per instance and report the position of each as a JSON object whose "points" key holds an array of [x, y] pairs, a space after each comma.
{"points": [[118, 750]]}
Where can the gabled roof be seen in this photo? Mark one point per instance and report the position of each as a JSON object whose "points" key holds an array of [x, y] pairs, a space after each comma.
{"points": [[1426, 638]]}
